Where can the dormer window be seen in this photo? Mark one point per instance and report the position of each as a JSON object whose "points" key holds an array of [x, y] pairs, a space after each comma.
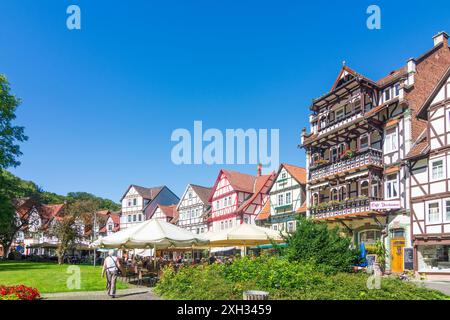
{"points": [[397, 90], [387, 94]]}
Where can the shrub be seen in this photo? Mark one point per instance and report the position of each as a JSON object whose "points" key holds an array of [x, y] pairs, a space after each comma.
{"points": [[21, 292], [283, 279], [314, 243]]}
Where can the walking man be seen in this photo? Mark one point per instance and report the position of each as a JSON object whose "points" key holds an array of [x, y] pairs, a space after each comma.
{"points": [[111, 266]]}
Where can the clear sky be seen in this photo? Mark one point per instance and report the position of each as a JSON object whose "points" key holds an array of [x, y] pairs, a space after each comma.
{"points": [[100, 103]]}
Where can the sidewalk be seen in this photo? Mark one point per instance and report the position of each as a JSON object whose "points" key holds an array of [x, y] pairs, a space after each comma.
{"points": [[126, 294], [442, 286]]}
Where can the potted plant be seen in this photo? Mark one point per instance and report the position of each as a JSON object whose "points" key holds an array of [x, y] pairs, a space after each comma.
{"points": [[347, 154]]}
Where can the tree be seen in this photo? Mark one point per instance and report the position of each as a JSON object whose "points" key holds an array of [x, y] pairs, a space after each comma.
{"points": [[9, 133], [70, 226], [15, 209], [314, 242]]}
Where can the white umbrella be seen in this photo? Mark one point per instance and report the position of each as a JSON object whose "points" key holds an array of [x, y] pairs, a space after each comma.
{"points": [[243, 235], [154, 233]]}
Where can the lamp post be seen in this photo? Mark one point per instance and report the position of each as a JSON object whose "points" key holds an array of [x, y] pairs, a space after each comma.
{"points": [[94, 236]]}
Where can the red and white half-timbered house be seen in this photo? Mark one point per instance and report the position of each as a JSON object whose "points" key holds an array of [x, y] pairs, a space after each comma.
{"points": [[237, 198]]}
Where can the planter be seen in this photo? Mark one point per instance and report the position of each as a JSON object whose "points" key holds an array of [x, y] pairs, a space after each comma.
{"points": [[256, 295]]}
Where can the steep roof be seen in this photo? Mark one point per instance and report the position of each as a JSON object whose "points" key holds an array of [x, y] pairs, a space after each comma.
{"points": [[298, 173], [146, 193], [241, 181], [169, 211], [203, 192]]}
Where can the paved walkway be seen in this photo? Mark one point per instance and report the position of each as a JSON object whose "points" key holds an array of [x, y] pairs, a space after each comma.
{"points": [[126, 294], [442, 286]]}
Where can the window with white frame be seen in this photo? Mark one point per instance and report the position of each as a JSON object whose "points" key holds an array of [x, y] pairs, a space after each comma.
{"points": [[281, 199], [397, 90], [391, 140], [290, 226], [288, 198], [134, 202], [387, 94], [447, 211], [437, 169], [364, 142], [339, 114], [434, 215], [391, 184]]}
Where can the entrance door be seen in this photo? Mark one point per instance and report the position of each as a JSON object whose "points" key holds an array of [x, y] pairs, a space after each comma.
{"points": [[397, 255]]}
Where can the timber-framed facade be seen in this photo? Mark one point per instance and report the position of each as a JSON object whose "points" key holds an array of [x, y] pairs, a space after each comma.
{"points": [[361, 137]]}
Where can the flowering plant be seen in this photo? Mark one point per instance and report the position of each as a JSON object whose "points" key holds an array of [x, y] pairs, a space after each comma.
{"points": [[21, 292]]}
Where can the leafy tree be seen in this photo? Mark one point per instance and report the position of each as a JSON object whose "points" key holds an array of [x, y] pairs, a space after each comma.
{"points": [[315, 242], [9, 133], [12, 192], [71, 225]]}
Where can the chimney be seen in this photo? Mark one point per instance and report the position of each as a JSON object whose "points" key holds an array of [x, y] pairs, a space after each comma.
{"points": [[440, 37], [259, 170]]}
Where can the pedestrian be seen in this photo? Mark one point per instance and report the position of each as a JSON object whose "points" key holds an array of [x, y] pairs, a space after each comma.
{"points": [[111, 266]]}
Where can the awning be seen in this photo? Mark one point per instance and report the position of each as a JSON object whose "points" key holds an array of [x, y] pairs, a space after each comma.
{"points": [[319, 185], [357, 175]]}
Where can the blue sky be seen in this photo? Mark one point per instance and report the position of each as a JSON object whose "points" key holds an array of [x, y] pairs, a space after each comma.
{"points": [[100, 104]]}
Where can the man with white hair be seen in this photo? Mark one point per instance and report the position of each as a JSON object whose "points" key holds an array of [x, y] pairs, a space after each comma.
{"points": [[111, 266]]}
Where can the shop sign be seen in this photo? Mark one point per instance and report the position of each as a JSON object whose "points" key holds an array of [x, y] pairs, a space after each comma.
{"points": [[385, 205]]}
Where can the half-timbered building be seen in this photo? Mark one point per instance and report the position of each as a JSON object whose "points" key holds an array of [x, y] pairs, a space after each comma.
{"points": [[361, 133], [166, 213], [429, 164], [237, 198], [193, 208], [287, 199], [139, 203]]}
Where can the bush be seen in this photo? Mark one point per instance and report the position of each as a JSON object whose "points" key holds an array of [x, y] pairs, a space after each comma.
{"points": [[283, 279], [314, 243], [21, 292]]}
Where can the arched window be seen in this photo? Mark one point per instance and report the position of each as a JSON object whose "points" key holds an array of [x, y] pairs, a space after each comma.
{"points": [[334, 195], [343, 193], [315, 199], [364, 188]]}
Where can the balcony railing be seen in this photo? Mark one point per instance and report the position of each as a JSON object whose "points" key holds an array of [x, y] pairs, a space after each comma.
{"points": [[343, 208], [330, 126], [369, 157]]}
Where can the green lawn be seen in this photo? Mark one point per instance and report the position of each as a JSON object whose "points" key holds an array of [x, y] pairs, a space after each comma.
{"points": [[51, 277]]}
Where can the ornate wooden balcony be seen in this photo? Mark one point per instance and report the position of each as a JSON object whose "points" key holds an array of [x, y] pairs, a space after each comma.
{"points": [[370, 157], [344, 209]]}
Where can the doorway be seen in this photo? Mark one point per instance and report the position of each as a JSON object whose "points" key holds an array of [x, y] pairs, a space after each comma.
{"points": [[397, 255]]}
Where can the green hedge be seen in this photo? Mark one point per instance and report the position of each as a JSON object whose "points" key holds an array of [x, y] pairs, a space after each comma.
{"points": [[283, 279]]}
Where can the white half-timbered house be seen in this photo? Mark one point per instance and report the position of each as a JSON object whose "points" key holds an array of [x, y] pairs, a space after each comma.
{"points": [[429, 163], [193, 209], [166, 213], [139, 203], [237, 198], [287, 199]]}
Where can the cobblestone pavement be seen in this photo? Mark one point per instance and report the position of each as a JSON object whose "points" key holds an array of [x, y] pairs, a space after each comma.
{"points": [[126, 294]]}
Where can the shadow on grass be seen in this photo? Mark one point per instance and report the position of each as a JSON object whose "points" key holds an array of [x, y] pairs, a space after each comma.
{"points": [[26, 265]]}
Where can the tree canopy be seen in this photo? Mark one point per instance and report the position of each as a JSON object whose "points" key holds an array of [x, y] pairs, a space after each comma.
{"points": [[10, 134]]}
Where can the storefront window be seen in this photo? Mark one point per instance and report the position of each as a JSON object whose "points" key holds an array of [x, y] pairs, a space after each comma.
{"points": [[434, 258], [369, 236]]}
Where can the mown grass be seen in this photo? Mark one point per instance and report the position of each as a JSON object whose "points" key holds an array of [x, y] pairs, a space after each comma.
{"points": [[51, 277]]}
